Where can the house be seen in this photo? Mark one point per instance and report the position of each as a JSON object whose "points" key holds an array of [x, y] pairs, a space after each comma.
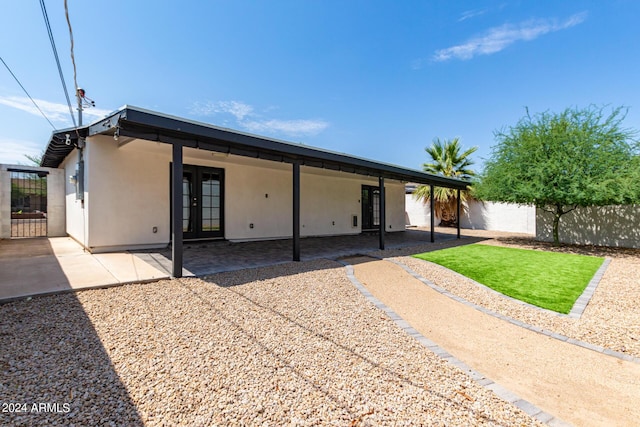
{"points": [[140, 179]]}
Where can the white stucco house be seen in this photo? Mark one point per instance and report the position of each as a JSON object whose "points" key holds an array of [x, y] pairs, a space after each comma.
{"points": [[140, 179]]}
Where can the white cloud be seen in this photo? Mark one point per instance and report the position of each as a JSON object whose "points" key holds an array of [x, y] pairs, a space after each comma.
{"points": [[57, 113], [287, 127], [498, 38], [12, 151], [237, 109], [468, 14], [248, 120]]}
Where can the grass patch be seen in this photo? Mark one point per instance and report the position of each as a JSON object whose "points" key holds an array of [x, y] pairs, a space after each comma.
{"points": [[549, 280]]}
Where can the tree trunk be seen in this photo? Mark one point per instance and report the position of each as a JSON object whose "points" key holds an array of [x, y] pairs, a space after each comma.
{"points": [[556, 239], [556, 224]]}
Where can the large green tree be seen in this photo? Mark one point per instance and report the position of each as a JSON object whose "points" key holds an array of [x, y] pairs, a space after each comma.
{"points": [[447, 159], [559, 161]]}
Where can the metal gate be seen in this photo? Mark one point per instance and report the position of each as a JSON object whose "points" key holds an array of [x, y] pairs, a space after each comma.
{"points": [[28, 203]]}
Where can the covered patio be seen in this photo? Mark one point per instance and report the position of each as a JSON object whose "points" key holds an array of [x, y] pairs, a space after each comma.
{"points": [[178, 139], [203, 258]]}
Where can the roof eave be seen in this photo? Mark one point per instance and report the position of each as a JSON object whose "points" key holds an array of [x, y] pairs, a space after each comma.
{"points": [[135, 122]]}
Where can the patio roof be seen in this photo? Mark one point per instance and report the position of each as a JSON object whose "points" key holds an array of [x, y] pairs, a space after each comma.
{"points": [[130, 122]]}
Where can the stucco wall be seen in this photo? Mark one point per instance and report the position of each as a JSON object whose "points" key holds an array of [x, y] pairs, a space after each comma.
{"points": [[56, 210], [258, 196], [479, 216], [500, 217], [128, 194], [395, 207], [75, 218], [55, 200], [418, 213], [616, 226]]}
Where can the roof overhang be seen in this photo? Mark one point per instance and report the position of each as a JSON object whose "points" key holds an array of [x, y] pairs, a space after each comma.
{"points": [[61, 144], [136, 123]]}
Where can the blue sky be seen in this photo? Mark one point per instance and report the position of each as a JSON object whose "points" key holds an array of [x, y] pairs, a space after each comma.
{"points": [[376, 79]]}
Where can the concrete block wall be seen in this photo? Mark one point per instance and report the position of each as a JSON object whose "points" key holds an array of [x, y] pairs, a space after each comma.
{"points": [[5, 202], [615, 226]]}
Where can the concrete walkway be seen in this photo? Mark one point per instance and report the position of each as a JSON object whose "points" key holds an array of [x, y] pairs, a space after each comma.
{"points": [[43, 266], [572, 383]]}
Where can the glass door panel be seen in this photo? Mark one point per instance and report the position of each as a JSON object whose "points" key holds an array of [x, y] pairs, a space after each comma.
{"points": [[370, 207], [210, 206], [187, 196], [202, 202]]}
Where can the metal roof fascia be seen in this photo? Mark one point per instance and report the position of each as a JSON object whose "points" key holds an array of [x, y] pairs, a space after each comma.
{"points": [[252, 145], [57, 148], [107, 124], [287, 149]]}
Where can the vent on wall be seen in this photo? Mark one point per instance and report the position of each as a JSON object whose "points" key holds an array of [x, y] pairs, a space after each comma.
{"points": [[354, 221]]}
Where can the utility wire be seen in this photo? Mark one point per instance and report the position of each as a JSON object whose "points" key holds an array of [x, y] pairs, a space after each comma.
{"points": [[73, 58], [55, 54], [27, 93]]}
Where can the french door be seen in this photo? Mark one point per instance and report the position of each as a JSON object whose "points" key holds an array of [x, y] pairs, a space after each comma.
{"points": [[202, 202], [370, 207]]}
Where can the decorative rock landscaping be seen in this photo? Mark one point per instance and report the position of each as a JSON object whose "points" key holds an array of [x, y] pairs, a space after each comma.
{"points": [[293, 344]]}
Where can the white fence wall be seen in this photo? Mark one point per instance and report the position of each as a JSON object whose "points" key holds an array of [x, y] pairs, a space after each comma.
{"points": [[617, 226], [500, 217], [417, 213]]}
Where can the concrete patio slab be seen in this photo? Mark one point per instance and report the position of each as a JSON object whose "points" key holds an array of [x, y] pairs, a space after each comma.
{"points": [[41, 266]]}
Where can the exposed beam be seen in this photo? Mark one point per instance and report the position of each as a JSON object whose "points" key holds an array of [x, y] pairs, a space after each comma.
{"points": [[296, 211], [176, 211], [382, 211]]}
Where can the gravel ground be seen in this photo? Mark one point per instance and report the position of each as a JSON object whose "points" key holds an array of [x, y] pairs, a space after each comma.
{"points": [[611, 319], [293, 344]]}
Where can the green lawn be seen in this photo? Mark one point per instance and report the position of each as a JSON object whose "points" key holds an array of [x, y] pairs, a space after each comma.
{"points": [[549, 280]]}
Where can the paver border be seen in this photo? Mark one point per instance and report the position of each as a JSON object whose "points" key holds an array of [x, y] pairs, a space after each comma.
{"points": [[583, 300], [505, 394]]}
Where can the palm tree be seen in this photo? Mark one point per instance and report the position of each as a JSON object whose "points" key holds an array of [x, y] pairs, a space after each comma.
{"points": [[447, 160]]}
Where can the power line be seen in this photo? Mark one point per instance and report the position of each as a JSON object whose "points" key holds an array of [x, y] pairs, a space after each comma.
{"points": [[55, 54], [73, 58], [80, 94], [27, 93]]}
